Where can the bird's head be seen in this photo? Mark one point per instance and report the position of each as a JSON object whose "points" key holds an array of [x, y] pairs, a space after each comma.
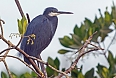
{"points": [[51, 11]]}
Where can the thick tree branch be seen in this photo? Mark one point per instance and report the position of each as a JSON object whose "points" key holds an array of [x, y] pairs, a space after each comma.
{"points": [[27, 56], [49, 66]]}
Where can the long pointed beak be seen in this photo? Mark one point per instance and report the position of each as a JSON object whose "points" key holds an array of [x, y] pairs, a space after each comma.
{"points": [[61, 12]]}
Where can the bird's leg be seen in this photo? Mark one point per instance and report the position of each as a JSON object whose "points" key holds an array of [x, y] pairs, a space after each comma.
{"points": [[42, 66]]}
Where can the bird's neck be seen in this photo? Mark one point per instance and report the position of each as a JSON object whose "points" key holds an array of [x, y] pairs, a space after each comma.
{"points": [[54, 22]]}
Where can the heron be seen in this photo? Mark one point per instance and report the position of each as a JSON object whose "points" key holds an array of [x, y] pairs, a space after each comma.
{"points": [[43, 27]]}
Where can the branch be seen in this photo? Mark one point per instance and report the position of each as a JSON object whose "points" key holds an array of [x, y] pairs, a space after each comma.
{"points": [[6, 50], [86, 43], [28, 18], [82, 52], [26, 55], [21, 61], [19, 41], [19, 8], [10, 75], [76, 61], [49, 66], [3, 59], [1, 26], [111, 42]]}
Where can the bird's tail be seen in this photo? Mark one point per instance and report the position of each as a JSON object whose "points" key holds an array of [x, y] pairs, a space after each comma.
{"points": [[27, 60]]}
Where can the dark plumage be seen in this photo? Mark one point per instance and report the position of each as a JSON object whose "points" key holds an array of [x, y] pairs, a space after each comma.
{"points": [[43, 27]]}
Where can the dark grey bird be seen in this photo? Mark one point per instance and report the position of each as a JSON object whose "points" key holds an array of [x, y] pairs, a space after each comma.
{"points": [[43, 27]]}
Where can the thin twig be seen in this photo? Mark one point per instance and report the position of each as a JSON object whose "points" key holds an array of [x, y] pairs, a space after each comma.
{"points": [[10, 75], [19, 41], [28, 18], [1, 26], [97, 47], [3, 59], [6, 50], [19, 8], [87, 42], [81, 54], [104, 53], [111, 41], [76, 61]]}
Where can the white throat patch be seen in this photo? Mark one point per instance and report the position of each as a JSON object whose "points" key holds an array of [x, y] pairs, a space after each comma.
{"points": [[53, 14]]}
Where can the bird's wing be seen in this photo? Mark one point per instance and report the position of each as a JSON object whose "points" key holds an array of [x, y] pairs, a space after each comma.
{"points": [[41, 28]]}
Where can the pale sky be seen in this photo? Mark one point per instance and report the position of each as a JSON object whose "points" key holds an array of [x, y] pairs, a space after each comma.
{"points": [[81, 9]]}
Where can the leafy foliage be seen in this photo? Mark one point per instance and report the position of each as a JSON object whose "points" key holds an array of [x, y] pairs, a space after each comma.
{"points": [[76, 73], [55, 63], [3, 75], [81, 33], [109, 72]]}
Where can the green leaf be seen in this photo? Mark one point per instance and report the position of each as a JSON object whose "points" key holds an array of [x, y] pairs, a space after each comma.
{"points": [[88, 23], [50, 61], [24, 26], [3, 75], [111, 59], [50, 72], [107, 18], [80, 75], [63, 51], [33, 74], [74, 46], [76, 30], [113, 13], [20, 26], [106, 30], [104, 33], [74, 73], [66, 41], [14, 75], [57, 63], [27, 75], [103, 71], [76, 39], [90, 73]]}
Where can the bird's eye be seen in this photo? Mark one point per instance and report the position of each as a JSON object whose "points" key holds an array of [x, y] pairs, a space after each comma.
{"points": [[54, 11]]}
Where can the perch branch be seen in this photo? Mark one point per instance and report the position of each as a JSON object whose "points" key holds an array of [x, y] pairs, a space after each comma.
{"points": [[6, 50], [49, 66], [26, 55]]}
